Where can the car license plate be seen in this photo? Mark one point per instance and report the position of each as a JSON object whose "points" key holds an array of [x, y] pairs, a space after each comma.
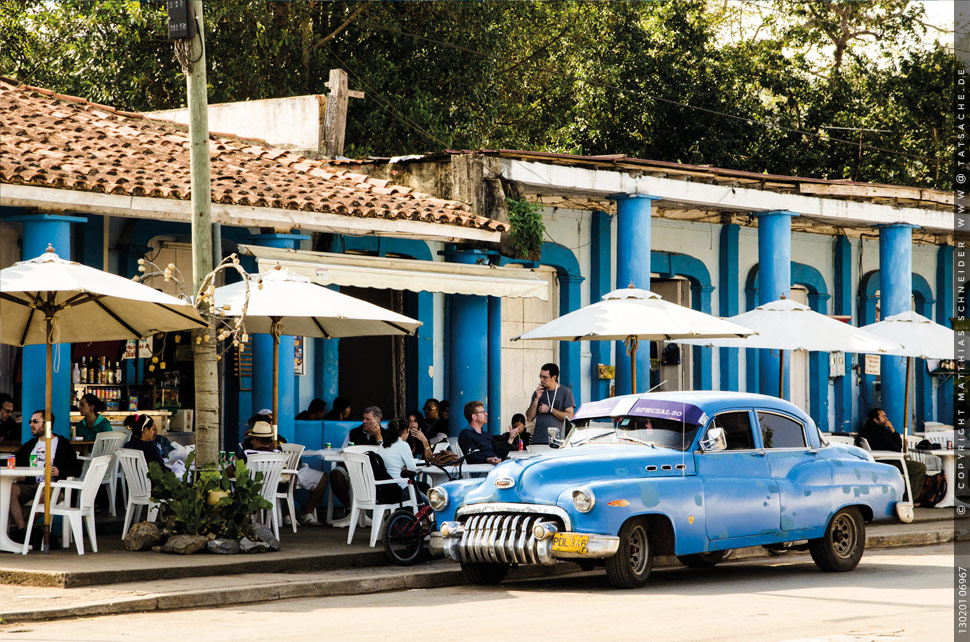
{"points": [[570, 542]]}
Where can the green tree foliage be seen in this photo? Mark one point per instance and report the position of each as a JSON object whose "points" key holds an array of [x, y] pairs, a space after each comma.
{"points": [[697, 81]]}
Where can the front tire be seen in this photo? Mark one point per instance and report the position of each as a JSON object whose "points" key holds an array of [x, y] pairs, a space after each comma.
{"points": [[841, 548], [484, 573], [702, 560], [631, 565], [403, 538]]}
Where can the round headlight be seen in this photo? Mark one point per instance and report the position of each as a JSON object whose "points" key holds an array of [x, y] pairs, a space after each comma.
{"points": [[583, 500], [438, 498]]}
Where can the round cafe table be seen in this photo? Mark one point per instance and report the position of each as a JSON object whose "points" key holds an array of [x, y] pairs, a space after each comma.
{"points": [[7, 478]]}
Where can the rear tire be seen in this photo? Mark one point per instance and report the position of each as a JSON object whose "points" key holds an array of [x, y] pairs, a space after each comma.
{"points": [[484, 573], [630, 566], [702, 560], [403, 538], [843, 544]]}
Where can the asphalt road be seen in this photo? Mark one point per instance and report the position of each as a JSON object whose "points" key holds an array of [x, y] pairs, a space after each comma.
{"points": [[894, 595]]}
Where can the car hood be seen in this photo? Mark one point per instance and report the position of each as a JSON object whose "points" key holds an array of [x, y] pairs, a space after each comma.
{"points": [[542, 478]]}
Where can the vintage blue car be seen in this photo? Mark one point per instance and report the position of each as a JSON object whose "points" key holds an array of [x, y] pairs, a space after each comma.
{"points": [[692, 474]]}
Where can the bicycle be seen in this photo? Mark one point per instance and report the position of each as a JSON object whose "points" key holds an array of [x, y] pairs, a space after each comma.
{"points": [[405, 533]]}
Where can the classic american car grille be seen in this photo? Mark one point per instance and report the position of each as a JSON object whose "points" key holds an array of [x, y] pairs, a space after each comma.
{"points": [[503, 537]]}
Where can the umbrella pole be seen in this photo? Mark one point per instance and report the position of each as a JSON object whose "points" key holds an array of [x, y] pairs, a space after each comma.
{"points": [[48, 455], [276, 330], [781, 374], [634, 342], [909, 363]]}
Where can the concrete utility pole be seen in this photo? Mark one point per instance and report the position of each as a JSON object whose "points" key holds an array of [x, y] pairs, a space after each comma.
{"points": [[335, 123], [206, 378]]}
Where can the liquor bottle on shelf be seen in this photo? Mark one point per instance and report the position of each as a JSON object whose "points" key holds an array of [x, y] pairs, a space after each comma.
{"points": [[84, 370], [118, 372], [109, 373], [102, 377], [92, 377], [76, 374]]}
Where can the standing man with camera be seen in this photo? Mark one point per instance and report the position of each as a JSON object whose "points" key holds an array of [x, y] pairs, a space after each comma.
{"points": [[551, 405]]}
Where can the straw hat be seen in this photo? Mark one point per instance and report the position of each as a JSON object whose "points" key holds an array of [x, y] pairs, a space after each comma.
{"points": [[261, 430]]}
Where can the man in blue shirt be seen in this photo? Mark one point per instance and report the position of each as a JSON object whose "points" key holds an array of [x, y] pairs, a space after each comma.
{"points": [[473, 438]]}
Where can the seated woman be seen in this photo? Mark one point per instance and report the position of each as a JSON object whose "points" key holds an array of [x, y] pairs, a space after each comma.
{"points": [[143, 438], [397, 456], [514, 439], [91, 422], [416, 439]]}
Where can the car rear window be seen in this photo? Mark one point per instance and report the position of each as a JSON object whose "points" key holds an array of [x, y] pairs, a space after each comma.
{"points": [[778, 431]]}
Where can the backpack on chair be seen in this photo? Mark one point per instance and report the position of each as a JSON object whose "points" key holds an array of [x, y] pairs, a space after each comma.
{"points": [[386, 493], [933, 491]]}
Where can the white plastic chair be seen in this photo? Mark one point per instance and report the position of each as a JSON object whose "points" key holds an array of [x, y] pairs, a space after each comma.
{"points": [[293, 453], [139, 487], [106, 443], [454, 447], [72, 515], [364, 488], [271, 465]]}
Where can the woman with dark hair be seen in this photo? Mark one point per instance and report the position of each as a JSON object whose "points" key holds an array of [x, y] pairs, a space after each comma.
{"points": [[91, 422], [416, 439], [143, 438], [340, 411], [396, 454]]}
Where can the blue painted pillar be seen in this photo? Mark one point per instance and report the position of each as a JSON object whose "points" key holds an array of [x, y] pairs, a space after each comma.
{"points": [[923, 381], [421, 383], [600, 282], [468, 346], [895, 294], [729, 281], [633, 213], [41, 230], [843, 306], [703, 365], [751, 366], [944, 314], [774, 277], [570, 360], [263, 355], [494, 403], [818, 372]]}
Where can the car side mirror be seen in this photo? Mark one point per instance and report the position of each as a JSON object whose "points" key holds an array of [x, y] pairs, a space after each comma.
{"points": [[716, 440], [554, 441]]}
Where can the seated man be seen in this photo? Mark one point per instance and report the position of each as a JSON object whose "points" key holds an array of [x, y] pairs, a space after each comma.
{"points": [[477, 446], [879, 432], [314, 412], [65, 464], [309, 479], [368, 433], [9, 428]]}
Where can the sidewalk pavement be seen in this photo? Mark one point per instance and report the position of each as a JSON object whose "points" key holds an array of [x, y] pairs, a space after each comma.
{"points": [[313, 562]]}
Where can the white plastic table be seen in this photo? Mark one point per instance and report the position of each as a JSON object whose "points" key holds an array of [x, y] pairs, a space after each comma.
{"points": [[949, 457], [326, 454], [7, 478]]}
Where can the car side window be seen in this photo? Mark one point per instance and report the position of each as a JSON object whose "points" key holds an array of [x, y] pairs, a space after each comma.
{"points": [[737, 429], [781, 432]]}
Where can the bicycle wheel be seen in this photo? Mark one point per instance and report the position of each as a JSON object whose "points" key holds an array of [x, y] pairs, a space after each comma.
{"points": [[403, 537]]}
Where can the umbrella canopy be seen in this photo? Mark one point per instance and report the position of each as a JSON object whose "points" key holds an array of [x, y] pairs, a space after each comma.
{"points": [[290, 304], [632, 312], [632, 315], [50, 300], [304, 308], [90, 305], [787, 325], [918, 336]]}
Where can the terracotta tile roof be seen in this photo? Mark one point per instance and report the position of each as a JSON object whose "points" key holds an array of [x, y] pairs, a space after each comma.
{"points": [[52, 140]]}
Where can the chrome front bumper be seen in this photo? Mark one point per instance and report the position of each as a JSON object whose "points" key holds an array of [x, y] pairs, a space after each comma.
{"points": [[509, 539]]}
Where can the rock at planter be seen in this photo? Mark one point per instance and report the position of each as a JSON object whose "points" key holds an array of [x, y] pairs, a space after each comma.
{"points": [[247, 545], [223, 546], [265, 534], [185, 544], [142, 536]]}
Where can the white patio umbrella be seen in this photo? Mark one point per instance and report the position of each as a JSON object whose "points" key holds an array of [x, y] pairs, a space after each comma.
{"points": [[788, 325], [290, 304], [918, 337], [631, 315], [50, 300]]}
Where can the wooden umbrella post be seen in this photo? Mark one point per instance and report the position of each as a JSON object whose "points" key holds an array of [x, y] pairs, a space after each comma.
{"points": [[909, 363], [781, 374], [276, 330], [634, 343], [48, 455]]}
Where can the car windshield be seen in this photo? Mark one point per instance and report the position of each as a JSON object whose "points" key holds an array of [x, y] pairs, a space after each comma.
{"points": [[650, 431]]}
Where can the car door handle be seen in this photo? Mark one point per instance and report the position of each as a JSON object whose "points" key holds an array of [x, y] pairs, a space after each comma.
{"points": [[761, 453]]}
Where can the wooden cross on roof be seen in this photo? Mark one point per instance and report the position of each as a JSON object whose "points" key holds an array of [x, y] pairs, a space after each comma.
{"points": [[335, 121]]}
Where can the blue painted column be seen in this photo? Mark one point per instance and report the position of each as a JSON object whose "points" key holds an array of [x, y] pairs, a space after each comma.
{"points": [[703, 364], [843, 306], [39, 231], [467, 343], [263, 355], [751, 366], [944, 315], [570, 356], [774, 281], [729, 279], [494, 403], [818, 372], [633, 212], [600, 282], [895, 294]]}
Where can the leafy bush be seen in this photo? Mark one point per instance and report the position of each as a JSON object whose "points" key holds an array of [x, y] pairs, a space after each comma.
{"points": [[213, 503], [527, 229]]}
